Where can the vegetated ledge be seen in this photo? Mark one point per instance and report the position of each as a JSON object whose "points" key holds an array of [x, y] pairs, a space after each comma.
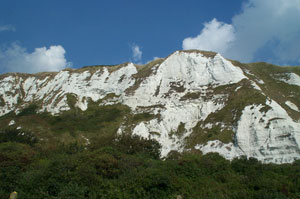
{"points": [[208, 54]]}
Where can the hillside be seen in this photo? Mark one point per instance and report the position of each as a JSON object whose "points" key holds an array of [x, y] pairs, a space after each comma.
{"points": [[190, 101]]}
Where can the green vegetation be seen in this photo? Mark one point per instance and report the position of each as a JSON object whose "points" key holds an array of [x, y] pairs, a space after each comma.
{"points": [[180, 130], [2, 102], [70, 126], [17, 135], [129, 167], [275, 89], [92, 69], [57, 162], [97, 123], [208, 54], [236, 103], [92, 120], [190, 96], [30, 110], [202, 136], [143, 117]]}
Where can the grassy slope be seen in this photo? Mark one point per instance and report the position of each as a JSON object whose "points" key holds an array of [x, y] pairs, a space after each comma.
{"points": [[96, 123], [275, 89]]}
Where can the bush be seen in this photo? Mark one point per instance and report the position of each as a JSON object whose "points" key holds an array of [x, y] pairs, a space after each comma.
{"points": [[138, 145], [15, 158], [17, 135], [130, 168], [30, 110]]}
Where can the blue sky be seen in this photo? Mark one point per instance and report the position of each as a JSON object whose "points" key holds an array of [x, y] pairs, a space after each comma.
{"points": [[49, 35]]}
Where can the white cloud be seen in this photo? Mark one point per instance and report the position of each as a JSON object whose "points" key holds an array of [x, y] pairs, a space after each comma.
{"points": [[16, 59], [215, 36], [7, 28], [267, 29], [136, 53]]}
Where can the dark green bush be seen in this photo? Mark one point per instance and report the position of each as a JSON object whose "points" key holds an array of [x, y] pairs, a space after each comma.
{"points": [[30, 110], [136, 144], [17, 135], [130, 168]]}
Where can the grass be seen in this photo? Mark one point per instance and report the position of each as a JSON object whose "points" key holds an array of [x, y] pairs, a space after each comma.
{"points": [[70, 125], [131, 120], [108, 96], [71, 100], [191, 96], [94, 68], [142, 117], [175, 86], [94, 119], [2, 102], [202, 136], [275, 89], [40, 75], [236, 103], [208, 54], [96, 123], [179, 132]]}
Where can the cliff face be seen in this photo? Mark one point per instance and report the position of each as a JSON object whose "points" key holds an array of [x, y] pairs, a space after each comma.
{"points": [[197, 101]]}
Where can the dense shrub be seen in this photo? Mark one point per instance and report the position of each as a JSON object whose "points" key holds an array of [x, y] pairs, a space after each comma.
{"points": [[17, 135], [130, 168], [136, 144], [15, 158], [30, 110]]}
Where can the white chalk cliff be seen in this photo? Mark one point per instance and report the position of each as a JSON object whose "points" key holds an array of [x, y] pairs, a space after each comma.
{"points": [[181, 91]]}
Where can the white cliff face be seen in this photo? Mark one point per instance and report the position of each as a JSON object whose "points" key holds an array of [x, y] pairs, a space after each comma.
{"points": [[270, 136], [292, 106], [292, 79], [12, 122], [182, 72], [179, 74], [188, 113], [52, 91], [10, 92]]}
